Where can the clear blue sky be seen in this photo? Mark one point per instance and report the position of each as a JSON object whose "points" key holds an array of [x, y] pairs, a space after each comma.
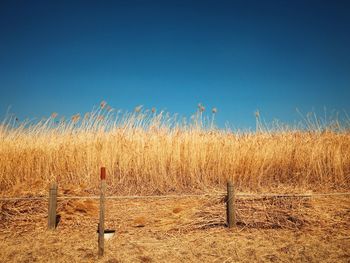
{"points": [[238, 56]]}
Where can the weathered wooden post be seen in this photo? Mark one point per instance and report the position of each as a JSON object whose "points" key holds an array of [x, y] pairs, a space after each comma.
{"points": [[101, 225], [52, 206], [231, 215]]}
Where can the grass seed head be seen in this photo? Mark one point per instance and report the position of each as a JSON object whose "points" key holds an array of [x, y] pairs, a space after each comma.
{"points": [[103, 104], [138, 108]]}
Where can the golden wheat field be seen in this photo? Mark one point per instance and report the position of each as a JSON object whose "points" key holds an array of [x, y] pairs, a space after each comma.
{"points": [[155, 154]]}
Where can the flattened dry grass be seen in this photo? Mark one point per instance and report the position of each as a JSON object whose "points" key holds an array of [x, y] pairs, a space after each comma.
{"points": [[167, 231]]}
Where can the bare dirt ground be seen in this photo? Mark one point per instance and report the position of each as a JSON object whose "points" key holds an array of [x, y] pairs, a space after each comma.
{"points": [[171, 230]]}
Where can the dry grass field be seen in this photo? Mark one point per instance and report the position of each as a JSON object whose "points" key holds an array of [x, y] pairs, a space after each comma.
{"points": [[150, 153]]}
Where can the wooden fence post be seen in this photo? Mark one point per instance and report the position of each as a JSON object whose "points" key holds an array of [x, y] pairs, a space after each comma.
{"points": [[231, 215], [52, 206], [101, 225]]}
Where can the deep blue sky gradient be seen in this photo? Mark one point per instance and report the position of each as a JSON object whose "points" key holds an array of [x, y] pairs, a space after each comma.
{"points": [[238, 56]]}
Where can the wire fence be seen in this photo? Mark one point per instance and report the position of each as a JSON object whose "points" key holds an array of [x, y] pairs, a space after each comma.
{"points": [[272, 195]]}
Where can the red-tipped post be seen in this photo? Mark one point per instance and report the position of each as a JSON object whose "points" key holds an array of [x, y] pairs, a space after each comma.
{"points": [[101, 225], [103, 173]]}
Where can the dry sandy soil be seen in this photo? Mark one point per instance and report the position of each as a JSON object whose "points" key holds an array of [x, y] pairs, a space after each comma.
{"points": [[171, 230]]}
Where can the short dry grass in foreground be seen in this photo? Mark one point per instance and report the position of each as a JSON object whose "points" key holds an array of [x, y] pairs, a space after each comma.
{"points": [[152, 231]]}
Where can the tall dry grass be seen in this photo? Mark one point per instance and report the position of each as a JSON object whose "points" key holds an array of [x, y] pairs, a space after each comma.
{"points": [[150, 152]]}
